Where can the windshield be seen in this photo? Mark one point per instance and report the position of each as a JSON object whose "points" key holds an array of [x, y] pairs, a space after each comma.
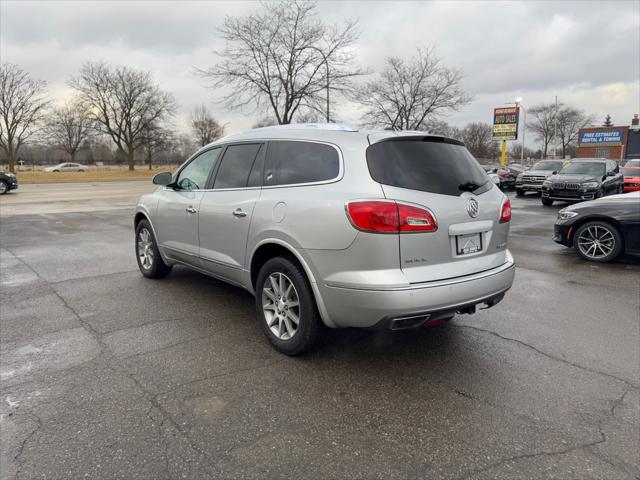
{"points": [[428, 165], [553, 166], [584, 168], [630, 171]]}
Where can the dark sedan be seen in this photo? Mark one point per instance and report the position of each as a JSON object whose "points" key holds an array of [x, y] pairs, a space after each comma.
{"points": [[602, 229], [8, 182], [583, 179]]}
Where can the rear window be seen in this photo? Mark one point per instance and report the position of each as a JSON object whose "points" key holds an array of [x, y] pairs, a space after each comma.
{"points": [[428, 165], [300, 162]]}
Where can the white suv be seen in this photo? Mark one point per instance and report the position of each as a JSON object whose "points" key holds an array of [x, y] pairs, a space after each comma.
{"points": [[328, 225]]}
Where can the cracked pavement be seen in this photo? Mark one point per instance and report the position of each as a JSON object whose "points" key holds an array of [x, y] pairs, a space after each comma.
{"points": [[105, 374]]}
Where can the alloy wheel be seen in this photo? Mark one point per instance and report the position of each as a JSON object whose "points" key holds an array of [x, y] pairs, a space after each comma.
{"points": [[596, 242], [145, 249], [3, 187], [281, 306]]}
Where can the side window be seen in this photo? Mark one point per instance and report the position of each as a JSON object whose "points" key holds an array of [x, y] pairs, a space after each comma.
{"points": [[194, 176], [300, 162], [257, 171], [236, 165]]}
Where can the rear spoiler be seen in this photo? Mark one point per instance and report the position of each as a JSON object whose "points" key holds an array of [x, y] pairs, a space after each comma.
{"points": [[409, 136]]}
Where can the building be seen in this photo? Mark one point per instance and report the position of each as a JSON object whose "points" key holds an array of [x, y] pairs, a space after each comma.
{"points": [[616, 143]]}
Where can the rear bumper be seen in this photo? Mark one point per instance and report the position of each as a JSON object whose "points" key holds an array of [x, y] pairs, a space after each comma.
{"points": [[350, 307]]}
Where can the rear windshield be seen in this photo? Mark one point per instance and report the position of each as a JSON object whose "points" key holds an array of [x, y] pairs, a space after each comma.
{"points": [[429, 165]]}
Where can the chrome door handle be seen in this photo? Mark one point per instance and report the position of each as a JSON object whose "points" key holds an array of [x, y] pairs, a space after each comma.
{"points": [[239, 213], [191, 210]]}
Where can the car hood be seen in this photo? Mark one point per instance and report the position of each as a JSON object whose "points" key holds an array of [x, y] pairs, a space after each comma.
{"points": [[546, 173], [625, 197], [576, 178]]}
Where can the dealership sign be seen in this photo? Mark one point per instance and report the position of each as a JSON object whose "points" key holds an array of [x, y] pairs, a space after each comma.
{"points": [[597, 137], [505, 123]]}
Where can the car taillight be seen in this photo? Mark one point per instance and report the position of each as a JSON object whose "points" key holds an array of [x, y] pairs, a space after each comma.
{"points": [[505, 212], [390, 217], [503, 175], [416, 219]]}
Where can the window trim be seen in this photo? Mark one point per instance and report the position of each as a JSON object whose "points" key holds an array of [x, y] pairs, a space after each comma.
{"points": [[306, 184]]}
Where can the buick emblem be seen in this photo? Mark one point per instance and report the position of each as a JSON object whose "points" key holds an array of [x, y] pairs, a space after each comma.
{"points": [[472, 207]]}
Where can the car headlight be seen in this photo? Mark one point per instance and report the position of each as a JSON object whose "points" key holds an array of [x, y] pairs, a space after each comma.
{"points": [[590, 185], [566, 214]]}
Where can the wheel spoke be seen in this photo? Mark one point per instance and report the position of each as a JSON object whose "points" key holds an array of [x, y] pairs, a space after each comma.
{"points": [[293, 317], [274, 285], [270, 294], [269, 306], [280, 306], [289, 327]]}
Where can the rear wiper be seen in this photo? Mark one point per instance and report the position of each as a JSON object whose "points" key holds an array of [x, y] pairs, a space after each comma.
{"points": [[468, 187]]}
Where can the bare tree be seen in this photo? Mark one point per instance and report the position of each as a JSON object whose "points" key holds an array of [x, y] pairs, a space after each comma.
{"points": [[478, 139], [541, 121], [155, 139], [283, 59], [123, 102], [408, 93], [22, 107], [68, 127], [570, 121], [205, 127], [440, 127]]}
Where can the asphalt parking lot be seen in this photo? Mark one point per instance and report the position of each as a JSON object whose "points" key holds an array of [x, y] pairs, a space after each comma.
{"points": [[105, 374]]}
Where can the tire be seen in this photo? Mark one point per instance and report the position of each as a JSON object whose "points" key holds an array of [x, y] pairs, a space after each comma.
{"points": [[608, 246], [150, 263], [599, 194], [56, 171], [519, 192], [81, 171], [4, 187], [547, 202], [277, 321]]}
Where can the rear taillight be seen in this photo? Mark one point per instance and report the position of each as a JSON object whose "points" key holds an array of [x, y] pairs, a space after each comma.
{"points": [[503, 175], [390, 217], [415, 219], [505, 211]]}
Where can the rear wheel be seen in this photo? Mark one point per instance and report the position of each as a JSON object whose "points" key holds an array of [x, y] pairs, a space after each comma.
{"points": [[4, 188], [149, 260], [285, 306], [598, 241], [547, 201], [519, 192]]}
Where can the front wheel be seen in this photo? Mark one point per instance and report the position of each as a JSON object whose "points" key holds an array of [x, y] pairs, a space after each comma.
{"points": [[519, 192], [285, 306], [149, 260], [4, 188], [547, 202], [598, 242]]}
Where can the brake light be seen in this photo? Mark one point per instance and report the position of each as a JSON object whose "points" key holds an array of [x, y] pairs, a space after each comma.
{"points": [[390, 217], [503, 175], [505, 212]]}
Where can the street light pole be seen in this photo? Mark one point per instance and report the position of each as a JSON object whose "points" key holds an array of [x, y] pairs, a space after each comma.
{"points": [[524, 127]]}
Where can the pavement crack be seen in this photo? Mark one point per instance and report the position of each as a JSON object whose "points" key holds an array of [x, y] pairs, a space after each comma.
{"points": [[549, 355], [17, 457]]}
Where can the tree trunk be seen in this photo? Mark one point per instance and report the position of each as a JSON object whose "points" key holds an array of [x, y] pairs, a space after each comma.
{"points": [[149, 159], [73, 156], [130, 160], [11, 158]]}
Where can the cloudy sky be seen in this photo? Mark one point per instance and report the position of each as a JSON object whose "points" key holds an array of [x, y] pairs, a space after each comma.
{"points": [[587, 53]]}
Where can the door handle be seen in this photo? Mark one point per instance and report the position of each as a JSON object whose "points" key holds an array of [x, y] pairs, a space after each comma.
{"points": [[191, 210], [239, 213]]}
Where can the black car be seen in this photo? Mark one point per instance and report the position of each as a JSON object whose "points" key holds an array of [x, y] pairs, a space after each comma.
{"points": [[600, 230], [8, 181], [507, 179], [583, 179]]}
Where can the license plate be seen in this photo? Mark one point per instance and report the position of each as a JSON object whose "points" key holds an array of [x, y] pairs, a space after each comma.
{"points": [[467, 244]]}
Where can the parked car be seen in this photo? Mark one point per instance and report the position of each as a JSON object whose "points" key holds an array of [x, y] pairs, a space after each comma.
{"points": [[631, 177], [600, 230], [499, 176], [8, 182], [531, 180], [583, 179], [328, 225], [67, 167]]}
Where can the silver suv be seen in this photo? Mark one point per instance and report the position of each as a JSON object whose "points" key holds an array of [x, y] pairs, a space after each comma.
{"points": [[328, 225]]}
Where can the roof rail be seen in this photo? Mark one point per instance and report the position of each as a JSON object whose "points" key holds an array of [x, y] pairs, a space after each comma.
{"points": [[318, 126]]}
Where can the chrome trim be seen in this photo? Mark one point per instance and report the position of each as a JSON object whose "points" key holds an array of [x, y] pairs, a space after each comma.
{"points": [[437, 283]]}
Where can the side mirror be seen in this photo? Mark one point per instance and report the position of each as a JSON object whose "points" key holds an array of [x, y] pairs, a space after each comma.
{"points": [[495, 170], [163, 178], [611, 174]]}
